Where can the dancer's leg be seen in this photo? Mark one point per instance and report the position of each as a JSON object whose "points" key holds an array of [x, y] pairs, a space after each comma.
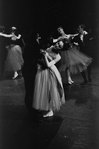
{"points": [[84, 78], [70, 81], [89, 73]]}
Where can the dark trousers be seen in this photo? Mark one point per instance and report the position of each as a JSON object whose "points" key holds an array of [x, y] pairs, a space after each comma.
{"points": [[2, 65], [1, 69], [87, 76], [29, 74]]}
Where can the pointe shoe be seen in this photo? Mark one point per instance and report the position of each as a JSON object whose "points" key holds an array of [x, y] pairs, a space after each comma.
{"points": [[49, 114], [70, 82], [15, 75]]}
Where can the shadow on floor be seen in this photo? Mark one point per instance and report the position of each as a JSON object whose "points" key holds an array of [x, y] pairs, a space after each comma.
{"points": [[21, 131]]}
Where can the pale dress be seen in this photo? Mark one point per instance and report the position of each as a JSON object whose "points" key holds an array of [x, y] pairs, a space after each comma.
{"points": [[48, 89], [75, 60], [14, 59]]}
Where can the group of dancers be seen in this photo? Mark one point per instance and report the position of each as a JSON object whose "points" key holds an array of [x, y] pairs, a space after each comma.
{"points": [[43, 81]]}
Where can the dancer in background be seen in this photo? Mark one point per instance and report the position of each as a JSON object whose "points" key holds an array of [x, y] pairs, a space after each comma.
{"points": [[14, 60], [83, 41], [29, 69], [3, 51], [48, 89], [72, 60], [64, 64]]}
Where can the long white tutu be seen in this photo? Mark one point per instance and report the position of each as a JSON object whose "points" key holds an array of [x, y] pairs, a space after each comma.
{"points": [[14, 59], [75, 60], [48, 90]]}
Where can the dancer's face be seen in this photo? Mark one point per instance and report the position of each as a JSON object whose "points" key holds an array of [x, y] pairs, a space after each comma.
{"points": [[80, 30], [59, 45], [60, 30]]}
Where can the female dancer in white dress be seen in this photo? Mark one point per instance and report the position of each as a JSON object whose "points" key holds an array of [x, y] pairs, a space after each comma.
{"points": [[72, 61], [48, 89], [14, 59]]}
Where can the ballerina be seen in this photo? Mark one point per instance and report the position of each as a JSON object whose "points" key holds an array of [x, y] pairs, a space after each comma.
{"points": [[12, 35], [14, 59], [67, 40], [48, 88]]}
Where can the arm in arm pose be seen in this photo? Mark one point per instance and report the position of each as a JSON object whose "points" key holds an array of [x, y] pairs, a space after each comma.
{"points": [[52, 62]]}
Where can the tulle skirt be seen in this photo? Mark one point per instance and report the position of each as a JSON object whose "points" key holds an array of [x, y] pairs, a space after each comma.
{"points": [[48, 91], [75, 60], [14, 59]]}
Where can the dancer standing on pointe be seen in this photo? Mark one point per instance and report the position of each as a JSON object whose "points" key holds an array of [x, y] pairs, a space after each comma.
{"points": [[64, 64]]}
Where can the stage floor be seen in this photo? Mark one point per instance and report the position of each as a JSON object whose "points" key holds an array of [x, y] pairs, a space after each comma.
{"points": [[75, 126]]}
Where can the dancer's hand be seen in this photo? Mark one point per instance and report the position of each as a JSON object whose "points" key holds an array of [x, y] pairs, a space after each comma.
{"points": [[46, 54]]}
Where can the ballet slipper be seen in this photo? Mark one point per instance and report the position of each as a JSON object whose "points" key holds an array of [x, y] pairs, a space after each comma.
{"points": [[49, 114], [15, 75], [70, 81]]}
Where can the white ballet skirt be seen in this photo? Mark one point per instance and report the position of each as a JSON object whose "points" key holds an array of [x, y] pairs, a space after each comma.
{"points": [[14, 59], [75, 60], [48, 89]]}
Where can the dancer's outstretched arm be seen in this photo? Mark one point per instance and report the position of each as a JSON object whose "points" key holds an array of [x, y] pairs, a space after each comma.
{"points": [[10, 35], [5, 35]]}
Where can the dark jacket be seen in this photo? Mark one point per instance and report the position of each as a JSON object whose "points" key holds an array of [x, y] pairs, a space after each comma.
{"points": [[83, 46]]}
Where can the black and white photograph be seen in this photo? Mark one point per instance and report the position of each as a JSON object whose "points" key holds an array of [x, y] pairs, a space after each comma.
{"points": [[49, 74]]}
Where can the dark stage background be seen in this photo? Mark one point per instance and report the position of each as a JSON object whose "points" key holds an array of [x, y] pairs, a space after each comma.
{"points": [[69, 13], [77, 124], [47, 15]]}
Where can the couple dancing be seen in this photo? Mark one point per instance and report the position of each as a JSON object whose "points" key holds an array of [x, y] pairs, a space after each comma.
{"points": [[75, 57], [13, 60], [43, 83]]}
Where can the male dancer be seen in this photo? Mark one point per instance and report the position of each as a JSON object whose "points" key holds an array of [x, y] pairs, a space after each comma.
{"points": [[29, 69], [83, 40]]}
